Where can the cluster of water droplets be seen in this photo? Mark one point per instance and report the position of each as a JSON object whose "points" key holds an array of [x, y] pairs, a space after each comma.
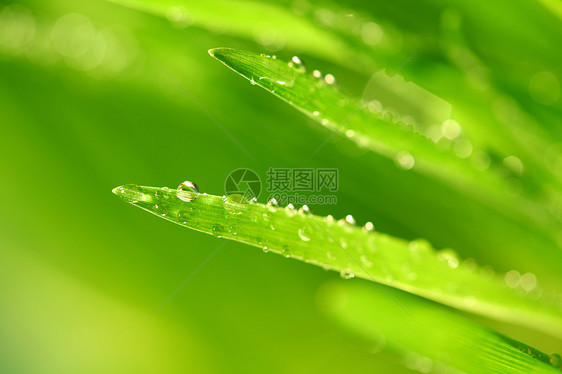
{"points": [[103, 52], [298, 64], [327, 79], [449, 257], [526, 282]]}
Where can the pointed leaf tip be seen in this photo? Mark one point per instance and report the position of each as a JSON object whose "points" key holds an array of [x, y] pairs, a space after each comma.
{"points": [[131, 193]]}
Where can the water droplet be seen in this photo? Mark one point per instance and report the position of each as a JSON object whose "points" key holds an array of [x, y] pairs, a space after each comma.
{"points": [[316, 113], [514, 164], [253, 82], [317, 74], [282, 83], [450, 129], [218, 231], [254, 200], [187, 191], [512, 278], [349, 133], [369, 227], [481, 160], [162, 208], [285, 251], [365, 261], [555, 360], [349, 219], [528, 281], [305, 210], [449, 257], [330, 218], [371, 33], [179, 16], [290, 210], [405, 160], [297, 64], [347, 274], [463, 148], [265, 249], [184, 215], [330, 79], [273, 203], [303, 231]]}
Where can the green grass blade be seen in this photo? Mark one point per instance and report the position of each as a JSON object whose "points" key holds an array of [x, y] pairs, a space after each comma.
{"points": [[348, 117], [246, 19], [341, 246], [445, 342]]}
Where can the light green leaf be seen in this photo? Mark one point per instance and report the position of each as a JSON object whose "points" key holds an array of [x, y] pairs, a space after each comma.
{"points": [[271, 25], [354, 252], [445, 342], [349, 117]]}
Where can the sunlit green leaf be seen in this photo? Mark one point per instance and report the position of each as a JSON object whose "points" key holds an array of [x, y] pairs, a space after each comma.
{"points": [[435, 340], [350, 250]]}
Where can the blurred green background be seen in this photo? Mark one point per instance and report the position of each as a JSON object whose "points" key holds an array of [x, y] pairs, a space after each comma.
{"points": [[83, 108]]}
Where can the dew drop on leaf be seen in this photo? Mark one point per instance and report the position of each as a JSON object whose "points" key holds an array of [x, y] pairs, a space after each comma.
{"points": [[528, 281], [449, 257], [184, 215], [365, 261], [290, 210], [305, 210], [347, 274], [162, 208], [330, 79], [512, 278], [369, 227], [555, 360], [303, 232], [297, 64], [405, 160], [187, 191], [218, 230], [273, 203]]}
